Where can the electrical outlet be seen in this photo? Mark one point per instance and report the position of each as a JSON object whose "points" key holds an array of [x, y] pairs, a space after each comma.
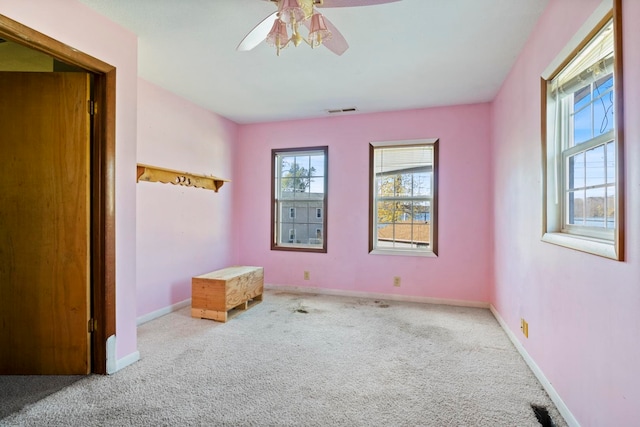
{"points": [[306, 275], [524, 326], [396, 281]]}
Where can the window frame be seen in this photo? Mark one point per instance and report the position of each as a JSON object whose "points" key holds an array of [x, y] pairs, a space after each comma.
{"points": [[277, 224], [373, 222], [555, 229]]}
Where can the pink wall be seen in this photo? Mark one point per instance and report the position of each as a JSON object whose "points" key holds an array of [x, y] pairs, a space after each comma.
{"points": [[181, 231], [583, 310], [463, 269], [78, 26]]}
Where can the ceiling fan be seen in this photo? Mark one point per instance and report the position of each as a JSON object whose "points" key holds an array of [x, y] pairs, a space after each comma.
{"points": [[292, 13]]}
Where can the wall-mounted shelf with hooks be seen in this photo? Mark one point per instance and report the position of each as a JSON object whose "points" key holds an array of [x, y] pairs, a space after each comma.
{"points": [[186, 179]]}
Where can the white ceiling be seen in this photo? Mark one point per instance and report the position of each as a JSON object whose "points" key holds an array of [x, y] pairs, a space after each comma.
{"points": [[403, 55]]}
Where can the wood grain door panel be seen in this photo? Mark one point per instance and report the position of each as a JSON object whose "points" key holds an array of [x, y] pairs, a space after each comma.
{"points": [[44, 223]]}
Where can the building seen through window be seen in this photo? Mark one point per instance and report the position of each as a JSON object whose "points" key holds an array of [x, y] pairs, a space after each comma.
{"points": [[299, 190]]}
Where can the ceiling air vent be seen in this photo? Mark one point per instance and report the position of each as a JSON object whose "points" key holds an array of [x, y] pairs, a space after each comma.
{"points": [[342, 110]]}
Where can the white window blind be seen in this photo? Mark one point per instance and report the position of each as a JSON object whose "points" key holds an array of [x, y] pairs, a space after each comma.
{"points": [[594, 61]]}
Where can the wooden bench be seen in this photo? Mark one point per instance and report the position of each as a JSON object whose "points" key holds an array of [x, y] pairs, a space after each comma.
{"points": [[214, 294]]}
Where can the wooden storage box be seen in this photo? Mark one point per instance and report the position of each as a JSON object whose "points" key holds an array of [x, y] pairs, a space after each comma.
{"points": [[214, 294]]}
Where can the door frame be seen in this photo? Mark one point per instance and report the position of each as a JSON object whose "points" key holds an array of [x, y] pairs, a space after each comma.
{"points": [[103, 259]]}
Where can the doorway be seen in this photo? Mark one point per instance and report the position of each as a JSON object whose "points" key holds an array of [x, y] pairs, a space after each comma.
{"points": [[101, 161]]}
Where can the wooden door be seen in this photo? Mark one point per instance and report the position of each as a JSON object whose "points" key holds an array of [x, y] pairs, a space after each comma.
{"points": [[44, 223]]}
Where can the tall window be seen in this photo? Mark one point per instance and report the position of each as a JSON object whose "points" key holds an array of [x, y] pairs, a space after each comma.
{"points": [[299, 192], [403, 202], [583, 148]]}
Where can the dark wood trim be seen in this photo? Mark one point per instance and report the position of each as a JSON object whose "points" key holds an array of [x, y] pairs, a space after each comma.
{"points": [[371, 198], [103, 286], [325, 213], [543, 140], [434, 201], [104, 304], [274, 206], [619, 117], [18, 33]]}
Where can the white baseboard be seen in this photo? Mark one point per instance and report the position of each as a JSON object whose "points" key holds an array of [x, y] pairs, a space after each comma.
{"points": [[113, 364], [159, 313], [373, 295], [127, 360], [553, 394]]}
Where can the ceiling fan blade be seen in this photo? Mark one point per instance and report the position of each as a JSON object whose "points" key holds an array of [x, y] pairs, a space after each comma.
{"points": [[353, 3], [336, 43], [258, 34]]}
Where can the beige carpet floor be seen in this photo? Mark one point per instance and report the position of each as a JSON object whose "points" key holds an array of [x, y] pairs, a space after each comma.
{"points": [[310, 360]]}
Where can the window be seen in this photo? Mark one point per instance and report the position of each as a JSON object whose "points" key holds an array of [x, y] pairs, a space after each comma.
{"points": [[299, 194], [583, 147], [403, 201]]}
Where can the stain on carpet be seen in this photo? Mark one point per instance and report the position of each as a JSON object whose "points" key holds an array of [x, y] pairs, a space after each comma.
{"points": [[542, 414]]}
